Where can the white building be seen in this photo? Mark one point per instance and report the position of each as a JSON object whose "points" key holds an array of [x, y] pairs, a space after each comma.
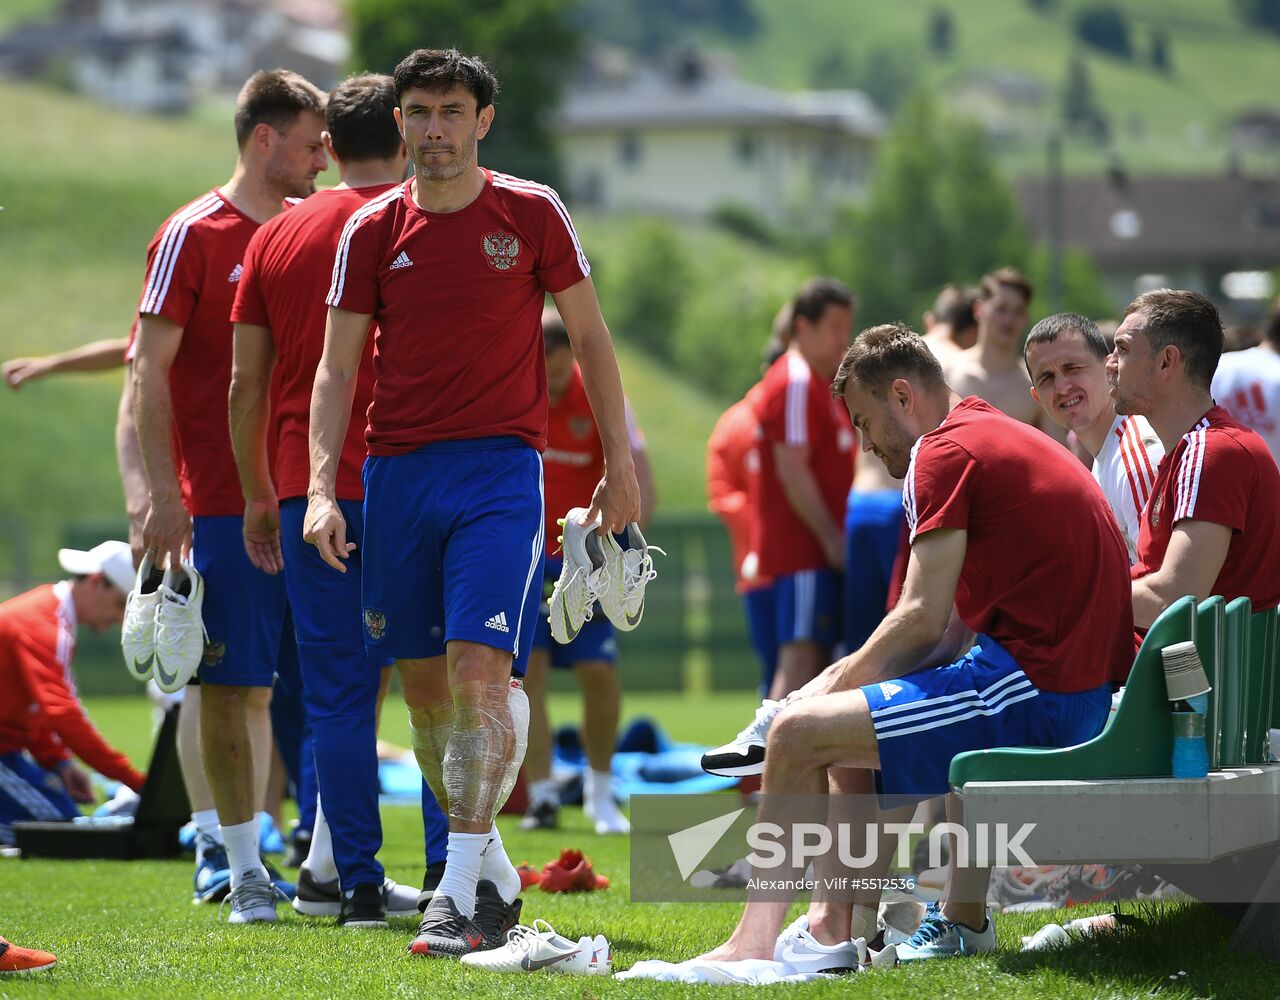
{"points": [[688, 142]]}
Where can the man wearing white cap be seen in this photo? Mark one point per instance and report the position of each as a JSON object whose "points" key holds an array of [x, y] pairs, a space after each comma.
{"points": [[42, 722]]}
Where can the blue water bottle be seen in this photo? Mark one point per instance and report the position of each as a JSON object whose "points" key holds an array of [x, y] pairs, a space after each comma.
{"points": [[1190, 755]]}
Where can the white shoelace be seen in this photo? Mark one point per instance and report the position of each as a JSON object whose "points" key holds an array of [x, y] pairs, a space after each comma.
{"points": [[521, 938], [759, 726], [636, 572]]}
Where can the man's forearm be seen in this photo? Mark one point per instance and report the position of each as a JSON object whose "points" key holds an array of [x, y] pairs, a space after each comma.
{"points": [[249, 408], [133, 478], [100, 355], [153, 419], [603, 382], [331, 398], [802, 493], [899, 646]]}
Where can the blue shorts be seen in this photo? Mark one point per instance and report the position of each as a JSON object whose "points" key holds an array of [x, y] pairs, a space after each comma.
{"points": [[808, 607], [596, 640], [980, 701], [761, 605], [453, 546], [244, 608], [872, 529], [28, 791]]}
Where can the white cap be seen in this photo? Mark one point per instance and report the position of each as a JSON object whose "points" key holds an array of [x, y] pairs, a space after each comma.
{"points": [[114, 560]]}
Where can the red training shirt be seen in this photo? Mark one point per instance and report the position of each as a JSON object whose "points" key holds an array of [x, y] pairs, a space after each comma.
{"points": [[733, 460], [40, 712], [287, 270], [1221, 472], [193, 266], [794, 407], [574, 458], [458, 302], [1046, 572]]}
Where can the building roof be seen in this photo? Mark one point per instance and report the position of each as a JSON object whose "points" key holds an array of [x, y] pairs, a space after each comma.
{"points": [[651, 99], [1174, 220]]}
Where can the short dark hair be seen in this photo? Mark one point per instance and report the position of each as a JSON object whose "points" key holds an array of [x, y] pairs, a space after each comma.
{"points": [[359, 118], [442, 69], [957, 313], [1051, 328], [1188, 321], [1005, 277], [814, 297], [884, 353], [274, 97], [554, 333]]}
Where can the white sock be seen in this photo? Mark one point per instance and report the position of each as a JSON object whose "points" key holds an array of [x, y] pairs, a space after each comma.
{"points": [[206, 821], [242, 851], [544, 790], [863, 924], [462, 870], [597, 789], [320, 861], [498, 869]]}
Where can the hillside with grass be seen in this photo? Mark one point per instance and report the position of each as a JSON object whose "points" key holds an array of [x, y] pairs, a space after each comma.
{"points": [[1165, 120]]}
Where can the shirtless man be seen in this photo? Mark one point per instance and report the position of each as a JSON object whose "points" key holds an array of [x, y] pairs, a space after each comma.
{"points": [[993, 369], [950, 326]]}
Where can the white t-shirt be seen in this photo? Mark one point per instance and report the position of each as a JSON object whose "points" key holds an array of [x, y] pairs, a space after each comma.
{"points": [[1247, 385], [1126, 471]]}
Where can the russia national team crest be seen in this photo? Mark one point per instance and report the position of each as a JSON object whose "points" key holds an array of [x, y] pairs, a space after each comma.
{"points": [[502, 250], [375, 623]]}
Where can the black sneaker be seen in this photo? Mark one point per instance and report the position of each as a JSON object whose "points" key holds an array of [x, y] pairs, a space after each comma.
{"points": [[493, 916], [541, 816], [315, 898], [299, 848], [446, 933], [430, 879], [364, 908]]}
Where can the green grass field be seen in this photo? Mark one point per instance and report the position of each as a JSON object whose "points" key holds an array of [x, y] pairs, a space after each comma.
{"points": [[127, 930]]}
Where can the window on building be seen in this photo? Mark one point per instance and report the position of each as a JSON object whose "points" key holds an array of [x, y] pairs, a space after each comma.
{"points": [[629, 150], [747, 148]]}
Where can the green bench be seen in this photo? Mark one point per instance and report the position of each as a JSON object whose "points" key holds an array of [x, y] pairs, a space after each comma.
{"points": [[1114, 797]]}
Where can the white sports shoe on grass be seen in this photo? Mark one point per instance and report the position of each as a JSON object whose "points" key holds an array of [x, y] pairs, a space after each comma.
{"points": [[253, 901], [539, 948], [800, 951], [744, 754], [620, 588], [575, 593], [138, 630], [180, 635]]}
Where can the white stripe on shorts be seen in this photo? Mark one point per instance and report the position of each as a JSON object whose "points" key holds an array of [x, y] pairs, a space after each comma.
{"points": [[539, 541]]}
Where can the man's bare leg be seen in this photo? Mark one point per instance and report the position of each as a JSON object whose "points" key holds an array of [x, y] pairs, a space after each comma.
{"points": [[805, 739], [798, 664], [965, 898], [537, 760], [230, 767], [189, 757]]}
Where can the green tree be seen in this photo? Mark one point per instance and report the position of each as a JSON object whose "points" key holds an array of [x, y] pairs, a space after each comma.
{"points": [[653, 281], [527, 42]]}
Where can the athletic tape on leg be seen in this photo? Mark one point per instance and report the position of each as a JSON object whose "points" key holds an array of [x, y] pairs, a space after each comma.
{"points": [[518, 705], [478, 752]]}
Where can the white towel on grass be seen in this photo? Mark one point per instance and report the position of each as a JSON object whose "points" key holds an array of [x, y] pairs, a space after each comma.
{"points": [[749, 972]]}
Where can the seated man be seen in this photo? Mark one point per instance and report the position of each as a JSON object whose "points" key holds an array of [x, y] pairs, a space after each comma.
{"points": [[42, 722], [1066, 357], [1017, 536], [1210, 526]]}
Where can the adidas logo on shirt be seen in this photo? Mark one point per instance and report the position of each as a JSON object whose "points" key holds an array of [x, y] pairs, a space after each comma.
{"points": [[499, 621], [402, 261], [889, 689], [234, 276]]}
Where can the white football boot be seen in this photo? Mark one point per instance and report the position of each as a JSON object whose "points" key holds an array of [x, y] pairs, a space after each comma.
{"points": [[534, 949], [138, 630], [620, 588], [574, 595], [180, 635]]}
